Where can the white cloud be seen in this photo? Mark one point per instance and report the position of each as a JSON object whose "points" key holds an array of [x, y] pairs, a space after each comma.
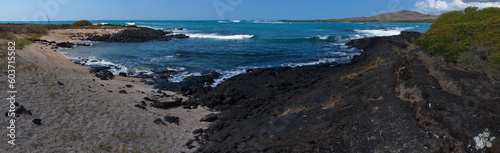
{"points": [[440, 6]]}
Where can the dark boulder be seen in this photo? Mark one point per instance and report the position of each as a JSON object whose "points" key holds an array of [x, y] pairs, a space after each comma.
{"points": [[172, 119], [138, 35], [159, 122], [140, 106], [65, 45], [37, 121], [105, 75], [209, 118], [166, 104], [198, 131]]}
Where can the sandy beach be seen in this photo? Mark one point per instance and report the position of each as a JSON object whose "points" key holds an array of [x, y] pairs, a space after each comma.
{"points": [[78, 111]]}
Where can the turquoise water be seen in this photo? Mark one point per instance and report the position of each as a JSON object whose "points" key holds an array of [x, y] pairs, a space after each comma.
{"points": [[231, 47]]}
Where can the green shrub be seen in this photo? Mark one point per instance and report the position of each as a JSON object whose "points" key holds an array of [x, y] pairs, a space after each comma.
{"points": [[469, 31], [20, 44], [35, 29], [82, 23], [58, 26]]}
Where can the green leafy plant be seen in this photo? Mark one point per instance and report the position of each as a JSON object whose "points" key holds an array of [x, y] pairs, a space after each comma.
{"points": [[82, 23], [471, 31]]}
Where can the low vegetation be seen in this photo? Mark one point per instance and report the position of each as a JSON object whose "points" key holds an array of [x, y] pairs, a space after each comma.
{"points": [[469, 37], [82, 23], [129, 135], [295, 109], [374, 63], [333, 101]]}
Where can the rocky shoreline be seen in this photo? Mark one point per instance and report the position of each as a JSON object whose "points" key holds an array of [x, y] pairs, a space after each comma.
{"points": [[394, 97], [138, 35]]}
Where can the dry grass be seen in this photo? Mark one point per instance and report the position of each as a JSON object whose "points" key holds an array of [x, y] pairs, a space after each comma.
{"points": [[333, 101], [66, 109], [129, 135], [52, 94], [381, 97], [30, 67], [70, 135], [444, 81], [296, 109], [374, 63], [104, 146], [413, 94]]}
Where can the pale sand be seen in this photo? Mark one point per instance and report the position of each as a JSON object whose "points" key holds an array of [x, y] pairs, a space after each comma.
{"points": [[83, 115], [62, 35]]}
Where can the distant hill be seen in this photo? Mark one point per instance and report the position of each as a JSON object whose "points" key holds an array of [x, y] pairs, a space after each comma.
{"points": [[400, 16]]}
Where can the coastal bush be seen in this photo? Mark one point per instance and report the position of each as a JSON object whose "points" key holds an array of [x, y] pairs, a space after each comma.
{"points": [[82, 23], [58, 26], [35, 29], [465, 36], [20, 44]]}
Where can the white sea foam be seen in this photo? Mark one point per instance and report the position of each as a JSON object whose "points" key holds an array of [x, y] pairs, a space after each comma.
{"points": [[323, 37], [236, 21], [114, 68], [269, 22], [130, 23], [103, 23], [216, 36], [348, 38], [181, 76], [383, 32], [150, 27], [227, 74], [345, 54]]}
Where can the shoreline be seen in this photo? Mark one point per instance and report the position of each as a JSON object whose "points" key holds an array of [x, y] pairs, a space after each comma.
{"points": [[74, 106], [392, 91]]}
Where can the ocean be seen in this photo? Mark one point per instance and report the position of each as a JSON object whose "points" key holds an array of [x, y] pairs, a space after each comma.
{"points": [[230, 47]]}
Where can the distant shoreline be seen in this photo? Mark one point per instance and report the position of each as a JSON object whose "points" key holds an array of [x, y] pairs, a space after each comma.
{"points": [[384, 21], [396, 17]]}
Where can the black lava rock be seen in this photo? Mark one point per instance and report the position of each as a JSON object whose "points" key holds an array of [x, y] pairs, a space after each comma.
{"points": [[159, 122], [140, 106], [138, 35], [209, 118], [37, 121], [65, 45], [198, 131], [166, 104], [172, 119]]}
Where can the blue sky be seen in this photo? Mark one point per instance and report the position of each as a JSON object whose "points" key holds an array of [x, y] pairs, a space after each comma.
{"points": [[36, 10]]}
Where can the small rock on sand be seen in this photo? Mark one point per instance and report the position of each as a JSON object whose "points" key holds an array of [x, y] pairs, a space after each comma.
{"points": [[172, 119], [37, 121], [123, 92], [159, 121], [209, 118]]}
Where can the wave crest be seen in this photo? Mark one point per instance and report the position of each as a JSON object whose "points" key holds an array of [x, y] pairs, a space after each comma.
{"points": [[216, 36], [383, 32]]}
